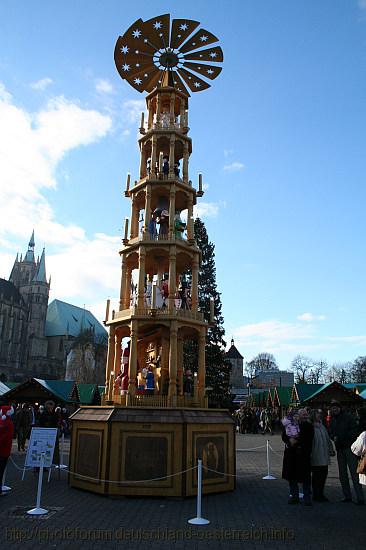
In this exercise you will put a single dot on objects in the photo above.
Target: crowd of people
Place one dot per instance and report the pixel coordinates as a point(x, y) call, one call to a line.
point(311, 439)
point(254, 420)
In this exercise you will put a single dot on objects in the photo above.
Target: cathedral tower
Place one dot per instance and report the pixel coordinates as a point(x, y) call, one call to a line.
point(29, 277)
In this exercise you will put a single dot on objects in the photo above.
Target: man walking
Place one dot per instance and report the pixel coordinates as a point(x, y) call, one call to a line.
point(343, 431)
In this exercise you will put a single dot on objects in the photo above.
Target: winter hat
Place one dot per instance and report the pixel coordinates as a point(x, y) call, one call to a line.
point(6, 411)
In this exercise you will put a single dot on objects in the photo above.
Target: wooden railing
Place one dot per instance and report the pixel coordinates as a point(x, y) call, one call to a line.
point(158, 312)
point(161, 401)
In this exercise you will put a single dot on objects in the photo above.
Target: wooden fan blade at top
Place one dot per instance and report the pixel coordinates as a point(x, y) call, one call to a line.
point(212, 54)
point(181, 29)
point(149, 51)
point(157, 31)
point(195, 83)
point(133, 40)
point(137, 68)
point(199, 40)
point(153, 80)
point(178, 83)
point(208, 71)
point(141, 81)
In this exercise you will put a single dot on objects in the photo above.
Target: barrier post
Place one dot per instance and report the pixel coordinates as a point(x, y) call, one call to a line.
point(62, 466)
point(38, 511)
point(199, 520)
point(4, 488)
point(269, 475)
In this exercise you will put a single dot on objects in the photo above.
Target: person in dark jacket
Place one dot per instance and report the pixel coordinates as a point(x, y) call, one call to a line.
point(297, 459)
point(23, 423)
point(50, 419)
point(6, 438)
point(343, 431)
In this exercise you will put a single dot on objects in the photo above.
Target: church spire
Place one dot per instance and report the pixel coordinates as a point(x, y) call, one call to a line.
point(40, 276)
point(32, 244)
point(29, 257)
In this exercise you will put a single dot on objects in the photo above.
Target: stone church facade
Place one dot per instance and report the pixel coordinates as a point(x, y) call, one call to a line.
point(35, 338)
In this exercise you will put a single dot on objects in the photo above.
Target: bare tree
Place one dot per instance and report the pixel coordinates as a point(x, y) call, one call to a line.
point(302, 365)
point(262, 361)
point(358, 370)
point(317, 372)
point(338, 372)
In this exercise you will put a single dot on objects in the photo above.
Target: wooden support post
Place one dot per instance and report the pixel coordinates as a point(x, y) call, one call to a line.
point(201, 363)
point(172, 286)
point(141, 281)
point(194, 289)
point(147, 208)
point(123, 283)
point(110, 362)
point(172, 390)
point(132, 371)
point(171, 210)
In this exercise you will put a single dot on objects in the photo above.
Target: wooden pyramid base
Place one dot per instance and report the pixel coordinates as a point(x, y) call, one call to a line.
point(118, 451)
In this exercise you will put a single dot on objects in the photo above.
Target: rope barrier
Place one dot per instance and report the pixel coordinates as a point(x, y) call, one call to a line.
point(251, 449)
point(26, 468)
point(108, 480)
point(129, 482)
point(66, 470)
point(276, 453)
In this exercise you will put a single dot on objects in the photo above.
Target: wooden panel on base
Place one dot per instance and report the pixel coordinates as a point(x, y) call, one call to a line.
point(128, 447)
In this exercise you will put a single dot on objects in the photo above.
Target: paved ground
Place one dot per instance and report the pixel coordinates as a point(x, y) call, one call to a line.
point(255, 516)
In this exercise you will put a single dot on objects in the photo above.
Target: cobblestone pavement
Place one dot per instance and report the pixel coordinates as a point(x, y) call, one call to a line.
point(254, 516)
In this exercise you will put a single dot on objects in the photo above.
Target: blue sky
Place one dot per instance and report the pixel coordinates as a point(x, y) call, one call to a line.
point(280, 139)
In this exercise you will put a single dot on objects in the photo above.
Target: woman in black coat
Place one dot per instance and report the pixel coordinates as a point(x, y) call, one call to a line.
point(297, 459)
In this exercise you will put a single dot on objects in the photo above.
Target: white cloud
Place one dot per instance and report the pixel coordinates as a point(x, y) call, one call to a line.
point(41, 84)
point(64, 125)
point(4, 95)
point(43, 139)
point(272, 332)
point(104, 86)
point(362, 4)
point(360, 340)
point(228, 152)
point(309, 317)
point(32, 145)
point(206, 210)
point(86, 268)
point(233, 167)
point(275, 336)
point(132, 109)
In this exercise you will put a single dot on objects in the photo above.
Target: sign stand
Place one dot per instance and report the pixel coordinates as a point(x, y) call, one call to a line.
point(38, 511)
point(199, 520)
point(269, 475)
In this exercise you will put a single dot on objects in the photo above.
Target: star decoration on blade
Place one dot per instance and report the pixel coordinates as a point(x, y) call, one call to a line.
point(169, 53)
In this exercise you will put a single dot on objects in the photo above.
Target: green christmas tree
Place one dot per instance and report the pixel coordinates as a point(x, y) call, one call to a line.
point(217, 367)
